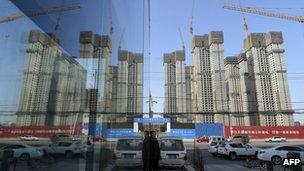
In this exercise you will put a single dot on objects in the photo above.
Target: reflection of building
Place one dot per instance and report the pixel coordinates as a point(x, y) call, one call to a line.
point(114, 85)
point(129, 82)
point(209, 73)
point(67, 92)
point(95, 52)
point(53, 85)
point(266, 63)
point(41, 54)
point(175, 87)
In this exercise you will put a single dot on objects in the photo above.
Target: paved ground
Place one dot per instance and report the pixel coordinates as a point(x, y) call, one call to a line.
point(220, 164)
point(78, 163)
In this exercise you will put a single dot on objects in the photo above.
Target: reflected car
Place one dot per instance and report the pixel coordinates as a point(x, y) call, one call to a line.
point(202, 139)
point(23, 151)
point(239, 138)
point(278, 153)
point(234, 150)
point(29, 138)
point(61, 137)
point(275, 139)
point(128, 152)
point(99, 139)
point(173, 152)
point(66, 148)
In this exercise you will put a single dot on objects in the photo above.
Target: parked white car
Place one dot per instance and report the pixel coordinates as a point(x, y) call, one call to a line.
point(67, 148)
point(173, 152)
point(213, 146)
point(278, 153)
point(128, 152)
point(29, 138)
point(275, 139)
point(23, 151)
point(234, 150)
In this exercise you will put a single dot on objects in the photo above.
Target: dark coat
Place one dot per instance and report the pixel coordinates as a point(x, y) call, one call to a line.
point(154, 150)
point(146, 149)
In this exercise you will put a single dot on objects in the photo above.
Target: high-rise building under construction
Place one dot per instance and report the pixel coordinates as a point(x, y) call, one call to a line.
point(95, 57)
point(175, 83)
point(41, 53)
point(53, 84)
point(129, 82)
point(209, 74)
point(266, 61)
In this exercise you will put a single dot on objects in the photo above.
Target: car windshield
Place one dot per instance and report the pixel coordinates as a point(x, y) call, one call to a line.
point(129, 144)
point(236, 145)
point(171, 145)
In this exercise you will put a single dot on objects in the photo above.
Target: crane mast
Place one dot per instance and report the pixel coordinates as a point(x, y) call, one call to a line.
point(121, 39)
point(34, 13)
point(111, 19)
point(192, 18)
point(264, 12)
point(182, 40)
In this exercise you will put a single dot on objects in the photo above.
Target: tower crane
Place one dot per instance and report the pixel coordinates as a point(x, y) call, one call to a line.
point(182, 40)
point(34, 13)
point(111, 18)
point(264, 12)
point(121, 39)
point(192, 18)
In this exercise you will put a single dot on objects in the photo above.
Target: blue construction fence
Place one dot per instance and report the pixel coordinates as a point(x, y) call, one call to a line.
point(201, 129)
point(101, 129)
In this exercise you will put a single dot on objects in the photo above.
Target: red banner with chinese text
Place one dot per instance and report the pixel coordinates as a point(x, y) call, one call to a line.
point(38, 131)
point(262, 132)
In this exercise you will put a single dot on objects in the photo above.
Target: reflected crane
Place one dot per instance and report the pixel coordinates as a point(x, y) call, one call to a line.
point(111, 19)
point(38, 12)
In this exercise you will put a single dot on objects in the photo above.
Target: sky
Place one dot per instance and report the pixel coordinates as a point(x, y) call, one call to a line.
point(166, 18)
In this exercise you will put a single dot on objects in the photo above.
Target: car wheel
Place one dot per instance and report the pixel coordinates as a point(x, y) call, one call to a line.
point(214, 154)
point(276, 160)
point(25, 157)
point(232, 155)
point(69, 154)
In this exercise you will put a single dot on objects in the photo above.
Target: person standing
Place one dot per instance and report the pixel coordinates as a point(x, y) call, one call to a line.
point(146, 151)
point(154, 152)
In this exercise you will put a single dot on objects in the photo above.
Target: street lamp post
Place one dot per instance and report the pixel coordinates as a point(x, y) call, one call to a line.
point(151, 101)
